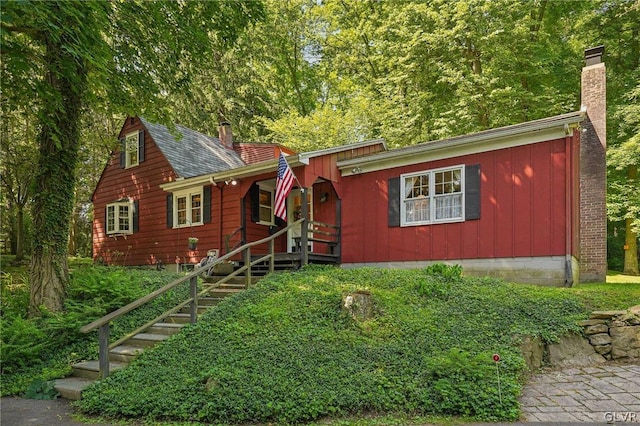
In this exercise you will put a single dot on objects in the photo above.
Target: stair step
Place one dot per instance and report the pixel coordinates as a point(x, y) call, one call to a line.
point(237, 280)
point(72, 387)
point(147, 340)
point(91, 369)
point(209, 301)
point(168, 328)
point(178, 319)
point(201, 309)
point(125, 353)
point(224, 292)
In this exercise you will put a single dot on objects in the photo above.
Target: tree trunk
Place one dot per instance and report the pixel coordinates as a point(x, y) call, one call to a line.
point(58, 141)
point(19, 234)
point(49, 278)
point(631, 238)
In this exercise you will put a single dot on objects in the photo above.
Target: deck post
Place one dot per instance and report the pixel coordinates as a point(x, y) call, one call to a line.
point(247, 264)
point(103, 356)
point(304, 228)
point(193, 284)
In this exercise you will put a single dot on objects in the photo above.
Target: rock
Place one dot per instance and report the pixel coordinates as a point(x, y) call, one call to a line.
point(635, 309)
point(532, 350)
point(603, 349)
point(605, 314)
point(629, 318)
point(586, 323)
point(573, 350)
point(596, 329)
point(600, 339)
point(625, 342)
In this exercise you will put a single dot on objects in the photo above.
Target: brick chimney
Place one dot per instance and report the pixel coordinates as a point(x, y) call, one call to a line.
point(225, 135)
point(593, 169)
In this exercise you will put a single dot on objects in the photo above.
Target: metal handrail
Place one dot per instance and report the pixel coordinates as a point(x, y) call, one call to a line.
point(103, 323)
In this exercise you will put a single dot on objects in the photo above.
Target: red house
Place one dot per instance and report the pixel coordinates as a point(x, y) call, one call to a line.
point(524, 202)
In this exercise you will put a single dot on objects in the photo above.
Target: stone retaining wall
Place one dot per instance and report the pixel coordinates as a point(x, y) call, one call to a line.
point(614, 334)
point(607, 335)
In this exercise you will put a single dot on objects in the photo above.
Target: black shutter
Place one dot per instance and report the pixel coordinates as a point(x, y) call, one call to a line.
point(140, 146)
point(254, 198)
point(136, 216)
point(206, 204)
point(123, 153)
point(472, 192)
point(394, 201)
point(170, 211)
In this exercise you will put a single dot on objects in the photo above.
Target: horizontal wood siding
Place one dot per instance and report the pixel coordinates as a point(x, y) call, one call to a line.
point(252, 153)
point(153, 241)
point(522, 204)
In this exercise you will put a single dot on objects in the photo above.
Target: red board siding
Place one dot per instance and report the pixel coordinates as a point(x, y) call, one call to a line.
point(522, 203)
point(154, 241)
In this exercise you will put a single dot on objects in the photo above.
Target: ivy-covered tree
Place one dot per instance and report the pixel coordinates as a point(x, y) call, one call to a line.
point(75, 55)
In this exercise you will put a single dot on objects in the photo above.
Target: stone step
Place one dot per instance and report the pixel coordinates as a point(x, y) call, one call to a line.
point(91, 369)
point(125, 353)
point(201, 309)
point(146, 340)
point(167, 328)
point(224, 292)
point(238, 280)
point(178, 319)
point(72, 387)
point(209, 301)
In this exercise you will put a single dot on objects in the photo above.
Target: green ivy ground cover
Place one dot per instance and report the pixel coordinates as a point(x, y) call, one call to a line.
point(285, 351)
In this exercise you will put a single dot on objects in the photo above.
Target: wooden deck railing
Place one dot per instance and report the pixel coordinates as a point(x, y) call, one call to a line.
point(103, 324)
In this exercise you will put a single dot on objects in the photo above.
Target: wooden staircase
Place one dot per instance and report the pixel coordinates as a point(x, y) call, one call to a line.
point(120, 353)
point(86, 372)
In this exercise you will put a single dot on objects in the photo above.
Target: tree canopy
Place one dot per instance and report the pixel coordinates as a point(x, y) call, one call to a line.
point(308, 74)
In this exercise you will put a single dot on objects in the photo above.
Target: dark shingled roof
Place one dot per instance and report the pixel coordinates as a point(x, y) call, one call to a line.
point(194, 154)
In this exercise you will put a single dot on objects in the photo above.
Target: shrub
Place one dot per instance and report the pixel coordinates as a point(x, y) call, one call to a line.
point(43, 348)
point(23, 341)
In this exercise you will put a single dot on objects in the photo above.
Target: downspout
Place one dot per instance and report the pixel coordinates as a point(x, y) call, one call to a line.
point(220, 188)
point(568, 203)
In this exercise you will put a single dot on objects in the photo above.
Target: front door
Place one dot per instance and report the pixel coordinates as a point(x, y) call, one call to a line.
point(294, 212)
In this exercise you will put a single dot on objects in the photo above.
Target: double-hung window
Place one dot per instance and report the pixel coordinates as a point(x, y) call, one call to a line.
point(265, 201)
point(120, 217)
point(188, 208)
point(432, 196)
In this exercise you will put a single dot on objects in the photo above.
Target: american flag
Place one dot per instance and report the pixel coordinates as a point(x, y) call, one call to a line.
point(284, 183)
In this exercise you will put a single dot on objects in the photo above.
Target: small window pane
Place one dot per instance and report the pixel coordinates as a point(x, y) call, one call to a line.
point(196, 210)
point(111, 219)
point(182, 210)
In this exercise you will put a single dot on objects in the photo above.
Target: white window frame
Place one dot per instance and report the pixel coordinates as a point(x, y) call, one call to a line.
point(118, 219)
point(188, 195)
point(270, 188)
point(131, 146)
point(432, 197)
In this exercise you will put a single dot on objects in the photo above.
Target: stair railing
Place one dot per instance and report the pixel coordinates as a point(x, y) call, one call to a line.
point(103, 324)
